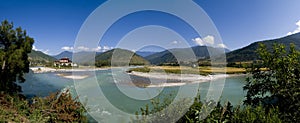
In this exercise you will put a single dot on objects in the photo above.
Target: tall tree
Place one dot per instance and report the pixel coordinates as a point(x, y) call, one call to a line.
point(15, 44)
point(275, 81)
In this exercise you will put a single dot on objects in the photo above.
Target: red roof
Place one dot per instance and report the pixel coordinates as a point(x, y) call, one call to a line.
point(64, 59)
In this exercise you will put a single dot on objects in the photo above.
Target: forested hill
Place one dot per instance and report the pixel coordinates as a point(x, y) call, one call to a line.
point(248, 53)
point(38, 58)
point(167, 56)
point(120, 56)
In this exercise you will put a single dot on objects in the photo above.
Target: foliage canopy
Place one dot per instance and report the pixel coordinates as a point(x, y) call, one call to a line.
point(275, 81)
point(15, 45)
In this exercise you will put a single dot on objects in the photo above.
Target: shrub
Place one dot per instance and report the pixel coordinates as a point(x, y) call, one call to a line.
point(54, 108)
point(275, 81)
point(219, 114)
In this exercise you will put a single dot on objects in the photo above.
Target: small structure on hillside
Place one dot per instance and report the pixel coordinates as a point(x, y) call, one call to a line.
point(64, 62)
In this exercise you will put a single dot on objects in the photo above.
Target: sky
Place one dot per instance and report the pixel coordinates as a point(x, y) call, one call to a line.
point(54, 24)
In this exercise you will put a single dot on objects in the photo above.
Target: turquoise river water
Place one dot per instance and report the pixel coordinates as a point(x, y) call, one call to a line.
point(109, 102)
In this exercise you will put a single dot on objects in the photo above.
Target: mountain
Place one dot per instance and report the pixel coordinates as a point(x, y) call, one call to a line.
point(82, 58)
point(184, 54)
point(39, 58)
point(227, 50)
point(145, 53)
point(120, 57)
point(64, 54)
point(248, 53)
point(85, 58)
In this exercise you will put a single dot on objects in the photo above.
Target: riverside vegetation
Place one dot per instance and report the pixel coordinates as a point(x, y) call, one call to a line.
point(15, 45)
point(195, 114)
point(54, 108)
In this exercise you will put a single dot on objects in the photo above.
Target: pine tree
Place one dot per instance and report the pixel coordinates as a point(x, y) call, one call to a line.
point(15, 45)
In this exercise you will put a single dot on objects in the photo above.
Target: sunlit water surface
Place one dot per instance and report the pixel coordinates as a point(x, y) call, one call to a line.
point(104, 103)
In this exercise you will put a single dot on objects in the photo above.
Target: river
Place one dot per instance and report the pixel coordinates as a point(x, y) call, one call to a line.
point(108, 101)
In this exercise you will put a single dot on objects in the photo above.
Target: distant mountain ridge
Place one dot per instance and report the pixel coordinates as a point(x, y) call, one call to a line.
point(86, 57)
point(248, 53)
point(145, 53)
point(144, 56)
point(69, 54)
point(120, 57)
point(184, 54)
point(64, 54)
point(82, 58)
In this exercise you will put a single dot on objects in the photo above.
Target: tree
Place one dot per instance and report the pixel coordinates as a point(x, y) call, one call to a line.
point(15, 45)
point(275, 81)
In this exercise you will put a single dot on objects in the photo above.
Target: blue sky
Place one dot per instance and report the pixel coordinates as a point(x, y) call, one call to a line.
point(54, 24)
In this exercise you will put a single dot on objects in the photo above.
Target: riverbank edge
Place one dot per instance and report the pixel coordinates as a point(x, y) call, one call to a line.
point(51, 70)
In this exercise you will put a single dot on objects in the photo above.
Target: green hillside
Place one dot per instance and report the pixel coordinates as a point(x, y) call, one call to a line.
point(184, 54)
point(248, 53)
point(82, 58)
point(40, 58)
point(120, 57)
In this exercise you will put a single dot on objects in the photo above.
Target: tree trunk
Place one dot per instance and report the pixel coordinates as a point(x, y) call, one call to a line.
point(3, 65)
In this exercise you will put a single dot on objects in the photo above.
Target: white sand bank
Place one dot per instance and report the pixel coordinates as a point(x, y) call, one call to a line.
point(47, 69)
point(73, 76)
point(166, 85)
point(183, 79)
point(42, 69)
point(180, 77)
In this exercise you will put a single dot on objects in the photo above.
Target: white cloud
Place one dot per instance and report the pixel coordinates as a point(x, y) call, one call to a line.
point(208, 40)
point(175, 42)
point(42, 50)
point(67, 48)
point(198, 41)
point(34, 48)
point(221, 46)
point(106, 47)
point(96, 49)
point(297, 30)
point(83, 48)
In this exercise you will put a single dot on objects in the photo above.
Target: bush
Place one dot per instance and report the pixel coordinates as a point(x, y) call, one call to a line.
point(275, 81)
point(54, 108)
point(219, 114)
point(158, 112)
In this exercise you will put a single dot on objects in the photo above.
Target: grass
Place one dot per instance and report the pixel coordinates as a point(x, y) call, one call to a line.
point(228, 70)
point(189, 70)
